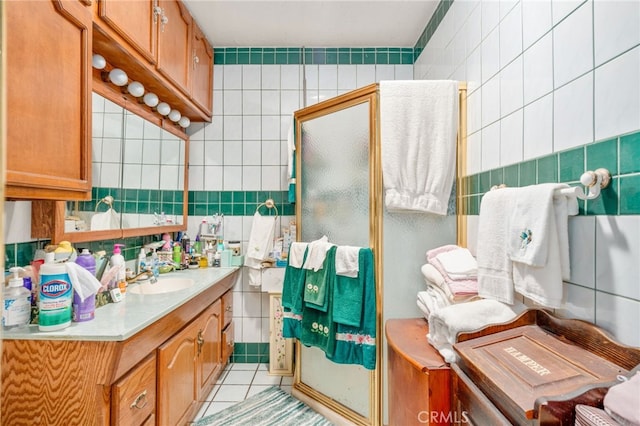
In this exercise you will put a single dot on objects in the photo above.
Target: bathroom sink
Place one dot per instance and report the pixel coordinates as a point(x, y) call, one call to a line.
point(163, 285)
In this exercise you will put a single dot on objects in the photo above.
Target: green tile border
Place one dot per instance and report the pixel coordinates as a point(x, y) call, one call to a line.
point(313, 55)
point(620, 155)
point(251, 353)
point(333, 55)
point(237, 203)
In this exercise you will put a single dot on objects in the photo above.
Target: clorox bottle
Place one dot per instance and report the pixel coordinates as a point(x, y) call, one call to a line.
point(56, 295)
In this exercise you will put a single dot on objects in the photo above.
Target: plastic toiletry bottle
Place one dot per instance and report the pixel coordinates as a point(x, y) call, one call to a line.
point(177, 253)
point(84, 310)
point(118, 260)
point(87, 261)
point(186, 249)
point(56, 294)
point(16, 306)
point(142, 261)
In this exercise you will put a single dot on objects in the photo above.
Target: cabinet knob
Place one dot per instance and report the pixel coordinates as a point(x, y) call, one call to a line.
point(140, 401)
point(157, 10)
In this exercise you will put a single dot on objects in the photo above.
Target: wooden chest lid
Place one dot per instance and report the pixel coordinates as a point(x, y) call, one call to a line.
point(514, 366)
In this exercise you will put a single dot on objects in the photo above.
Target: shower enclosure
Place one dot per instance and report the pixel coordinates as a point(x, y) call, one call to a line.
point(339, 194)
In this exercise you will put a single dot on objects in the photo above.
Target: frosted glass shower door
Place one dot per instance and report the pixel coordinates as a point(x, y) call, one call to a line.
point(334, 201)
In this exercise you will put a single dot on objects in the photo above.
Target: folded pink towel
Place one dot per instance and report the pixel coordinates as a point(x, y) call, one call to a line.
point(433, 272)
point(431, 254)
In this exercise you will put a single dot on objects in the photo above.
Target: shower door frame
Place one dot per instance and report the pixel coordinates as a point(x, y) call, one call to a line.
point(356, 97)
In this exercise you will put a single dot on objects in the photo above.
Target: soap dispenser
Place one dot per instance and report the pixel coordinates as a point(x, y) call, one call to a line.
point(118, 260)
point(16, 307)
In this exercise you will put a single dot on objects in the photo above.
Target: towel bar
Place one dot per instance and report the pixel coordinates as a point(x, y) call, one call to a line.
point(593, 180)
point(270, 204)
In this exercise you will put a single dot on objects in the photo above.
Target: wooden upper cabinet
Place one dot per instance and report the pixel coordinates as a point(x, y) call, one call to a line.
point(48, 99)
point(174, 43)
point(134, 21)
point(157, 42)
point(202, 71)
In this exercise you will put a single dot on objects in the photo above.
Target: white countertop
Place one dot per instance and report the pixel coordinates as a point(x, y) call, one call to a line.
point(119, 321)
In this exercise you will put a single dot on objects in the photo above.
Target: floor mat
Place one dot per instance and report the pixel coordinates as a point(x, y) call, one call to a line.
point(271, 407)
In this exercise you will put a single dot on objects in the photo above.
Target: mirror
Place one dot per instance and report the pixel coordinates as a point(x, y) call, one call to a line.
point(139, 165)
point(138, 177)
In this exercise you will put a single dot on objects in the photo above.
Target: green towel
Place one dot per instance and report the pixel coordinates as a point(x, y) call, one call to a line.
point(318, 328)
point(348, 292)
point(316, 294)
point(292, 287)
point(357, 345)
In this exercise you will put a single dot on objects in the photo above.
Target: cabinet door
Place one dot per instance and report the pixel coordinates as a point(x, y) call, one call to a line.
point(202, 71)
point(174, 43)
point(48, 95)
point(227, 343)
point(134, 21)
point(209, 348)
point(177, 382)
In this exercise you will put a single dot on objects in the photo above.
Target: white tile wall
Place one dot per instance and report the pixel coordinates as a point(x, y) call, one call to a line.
point(580, 83)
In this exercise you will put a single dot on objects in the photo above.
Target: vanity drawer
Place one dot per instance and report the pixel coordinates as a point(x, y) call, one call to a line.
point(134, 396)
point(227, 343)
point(227, 308)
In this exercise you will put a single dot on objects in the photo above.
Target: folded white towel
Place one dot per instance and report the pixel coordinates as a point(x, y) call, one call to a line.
point(434, 298)
point(446, 323)
point(418, 127)
point(316, 253)
point(495, 269)
point(296, 254)
point(430, 273)
point(459, 263)
point(535, 278)
point(347, 261)
point(532, 220)
point(423, 308)
point(260, 245)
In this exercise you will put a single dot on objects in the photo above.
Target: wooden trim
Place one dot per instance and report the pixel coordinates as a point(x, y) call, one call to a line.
point(461, 188)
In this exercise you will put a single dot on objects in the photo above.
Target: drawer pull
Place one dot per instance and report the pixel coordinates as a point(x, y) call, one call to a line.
point(228, 309)
point(140, 401)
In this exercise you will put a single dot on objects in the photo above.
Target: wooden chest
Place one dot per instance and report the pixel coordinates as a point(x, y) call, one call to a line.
point(520, 366)
point(419, 380)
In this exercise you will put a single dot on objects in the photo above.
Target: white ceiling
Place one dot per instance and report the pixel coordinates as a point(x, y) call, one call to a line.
point(312, 23)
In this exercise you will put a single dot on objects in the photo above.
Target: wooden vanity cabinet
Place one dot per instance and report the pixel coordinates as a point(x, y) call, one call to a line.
point(159, 376)
point(48, 99)
point(209, 348)
point(188, 365)
point(227, 326)
point(177, 388)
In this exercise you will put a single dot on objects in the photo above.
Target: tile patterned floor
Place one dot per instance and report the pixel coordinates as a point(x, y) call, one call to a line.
point(238, 382)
